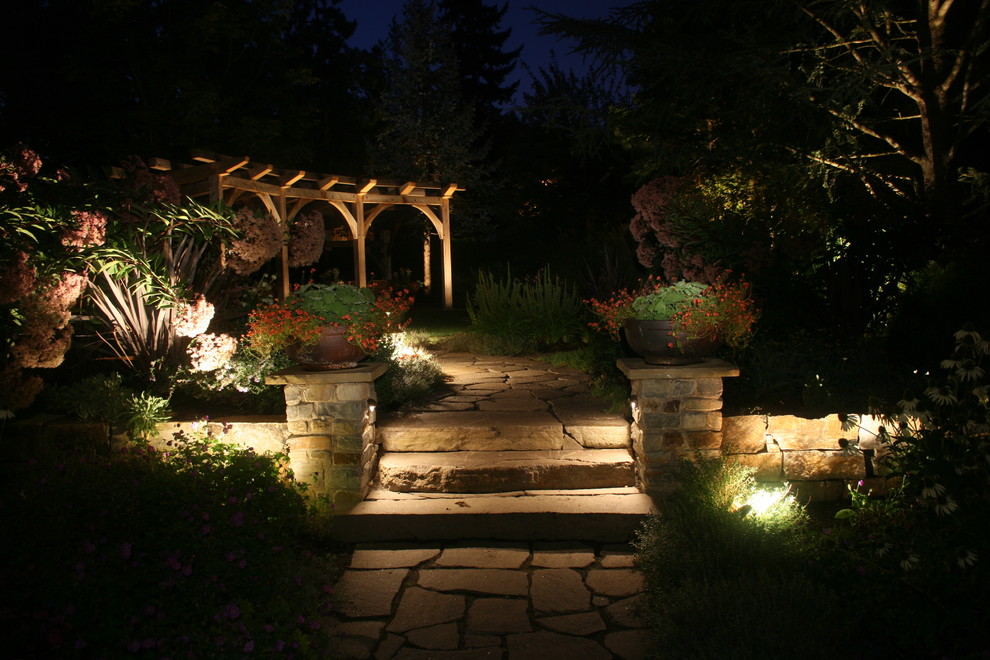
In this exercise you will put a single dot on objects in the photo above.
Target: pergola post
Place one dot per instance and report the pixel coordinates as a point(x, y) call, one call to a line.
point(360, 263)
point(448, 278)
point(283, 274)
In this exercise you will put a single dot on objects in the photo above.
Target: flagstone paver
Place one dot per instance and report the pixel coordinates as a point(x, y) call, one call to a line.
point(559, 590)
point(544, 644)
point(369, 593)
point(582, 624)
point(499, 616)
point(421, 608)
point(615, 581)
point(487, 557)
point(476, 580)
point(489, 599)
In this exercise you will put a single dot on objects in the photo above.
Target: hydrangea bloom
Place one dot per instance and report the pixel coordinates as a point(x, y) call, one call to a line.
point(261, 239)
point(307, 238)
point(90, 229)
point(156, 188)
point(193, 319)
point(209, 352)
point(18, 279)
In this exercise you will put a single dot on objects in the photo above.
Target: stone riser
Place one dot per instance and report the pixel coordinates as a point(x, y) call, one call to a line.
point(474, 431)
point(561, 516)
point(490, 472)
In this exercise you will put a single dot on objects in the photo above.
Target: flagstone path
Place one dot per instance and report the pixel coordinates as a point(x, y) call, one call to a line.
point(498, 583)
point(468, 600)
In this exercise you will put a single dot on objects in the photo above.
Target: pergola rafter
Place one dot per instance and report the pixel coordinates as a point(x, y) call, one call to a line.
point(285, 193)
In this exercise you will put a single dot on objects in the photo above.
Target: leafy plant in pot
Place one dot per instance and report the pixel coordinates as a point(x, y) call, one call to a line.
point(328, 326)
point(678, 323)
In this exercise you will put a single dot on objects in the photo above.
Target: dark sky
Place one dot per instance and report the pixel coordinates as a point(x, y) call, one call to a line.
point(374, 16)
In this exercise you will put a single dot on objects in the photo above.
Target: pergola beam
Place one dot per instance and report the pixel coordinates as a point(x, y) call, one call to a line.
point(290, 190)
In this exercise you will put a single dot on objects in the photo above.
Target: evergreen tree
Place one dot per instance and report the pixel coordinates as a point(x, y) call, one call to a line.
point(103, 79)
point(483, 62)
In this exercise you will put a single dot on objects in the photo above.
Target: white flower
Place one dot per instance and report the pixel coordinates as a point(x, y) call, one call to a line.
point(193, 319)
point(963, 335)
point(969, 370)
point(966, 557)
point(945, 505)
point(932, 490)
point(942, 395)
point(210, 352)
point(910, 562)
point(908, 406)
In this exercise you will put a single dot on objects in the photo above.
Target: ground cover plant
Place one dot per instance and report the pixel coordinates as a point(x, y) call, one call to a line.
point(203, 549)
point(891, 575)
point(725, 580)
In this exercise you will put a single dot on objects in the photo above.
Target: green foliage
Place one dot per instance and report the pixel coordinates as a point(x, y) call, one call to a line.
point(105, 398)
point(99, 398)
point(143, 412)
point(335, 302)
point(662, 302)
point(523, 316)
point(726, 583)
point(412, 373)
point(238, 384)
point(198, 549)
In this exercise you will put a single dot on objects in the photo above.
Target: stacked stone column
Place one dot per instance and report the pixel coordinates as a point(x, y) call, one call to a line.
point(677, 414)
point(331, 422)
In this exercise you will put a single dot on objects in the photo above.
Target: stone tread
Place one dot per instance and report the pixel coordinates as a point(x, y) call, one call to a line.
point(533, 516)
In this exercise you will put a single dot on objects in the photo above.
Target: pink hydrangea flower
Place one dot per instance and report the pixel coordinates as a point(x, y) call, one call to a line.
point(209, 352)
point(307, 239)
point(261, 239)
point(193, 319)
point(90, 229)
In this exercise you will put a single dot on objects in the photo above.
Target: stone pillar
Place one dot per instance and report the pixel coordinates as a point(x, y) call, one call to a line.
point(331, 423)
point(677, 414)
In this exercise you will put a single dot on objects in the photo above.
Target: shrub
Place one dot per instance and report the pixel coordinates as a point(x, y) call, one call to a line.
point(105, 398)
point(523, 316)
point(926, 541)
point(238, 384)
point(196, 551)
point(413, 374)
point(724, 581)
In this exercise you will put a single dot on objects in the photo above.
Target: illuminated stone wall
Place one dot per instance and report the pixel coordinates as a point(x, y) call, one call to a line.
point(330, 418)
point(677, 415)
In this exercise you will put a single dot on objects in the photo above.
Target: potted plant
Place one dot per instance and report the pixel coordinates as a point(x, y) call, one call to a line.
point(678, 323)
point(328, 326)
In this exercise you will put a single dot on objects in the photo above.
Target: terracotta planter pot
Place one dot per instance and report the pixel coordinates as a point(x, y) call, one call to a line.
point(330, 352)
point(657, 343)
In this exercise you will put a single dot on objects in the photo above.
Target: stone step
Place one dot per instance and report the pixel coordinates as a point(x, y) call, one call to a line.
point(601, 515)
point(499, 471)
point(473, 431)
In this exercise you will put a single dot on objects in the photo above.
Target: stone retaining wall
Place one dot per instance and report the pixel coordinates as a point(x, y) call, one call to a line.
point(677, 414)
point(330, 418)
point(819, 457)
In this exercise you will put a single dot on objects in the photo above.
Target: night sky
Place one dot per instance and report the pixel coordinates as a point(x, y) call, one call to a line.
point(374, 16)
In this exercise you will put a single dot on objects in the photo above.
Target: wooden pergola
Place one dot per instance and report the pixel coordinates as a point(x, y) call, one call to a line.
point(285, 193)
